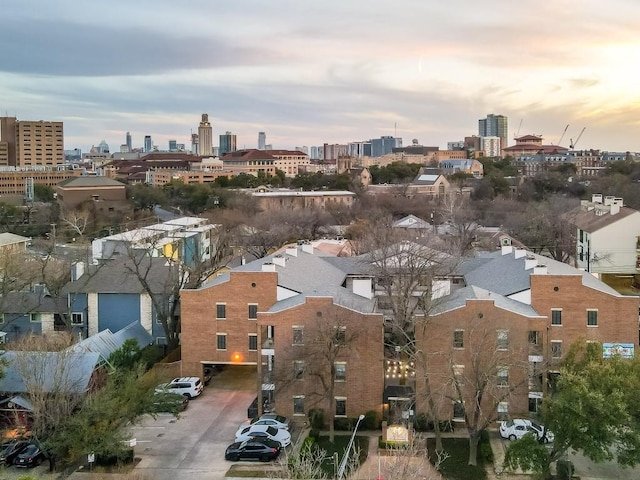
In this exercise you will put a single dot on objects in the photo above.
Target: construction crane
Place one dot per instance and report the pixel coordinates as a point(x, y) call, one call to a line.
point(519, 127)
point(573, 144)
point(563, 133)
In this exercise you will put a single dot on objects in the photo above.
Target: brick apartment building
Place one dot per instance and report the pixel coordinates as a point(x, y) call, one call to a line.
point(516, 311)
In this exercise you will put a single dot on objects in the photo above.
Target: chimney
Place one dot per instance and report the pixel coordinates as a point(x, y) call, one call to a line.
point(520, 252)
point(77, 270)
point(506, 249)
point(268, 267)
point(307, 248)
point(540, 270)
point(530, 262)
point(279, 260)
point(293, 251)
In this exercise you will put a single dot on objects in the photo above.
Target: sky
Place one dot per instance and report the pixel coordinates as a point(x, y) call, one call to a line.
point(330, 71)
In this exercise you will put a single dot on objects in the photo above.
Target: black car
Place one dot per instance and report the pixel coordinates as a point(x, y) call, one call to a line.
point(261, 449)
point(32, 456)
point(10, 450)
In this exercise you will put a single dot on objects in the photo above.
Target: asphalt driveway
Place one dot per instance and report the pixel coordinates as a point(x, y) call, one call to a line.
point(193, 445)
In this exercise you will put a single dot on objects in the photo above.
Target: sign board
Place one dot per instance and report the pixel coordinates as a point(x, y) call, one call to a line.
point(398, 434)
point(624, 350)
point(91, 458)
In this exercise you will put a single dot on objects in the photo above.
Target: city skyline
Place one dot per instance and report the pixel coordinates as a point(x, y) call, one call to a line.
point(334, 72)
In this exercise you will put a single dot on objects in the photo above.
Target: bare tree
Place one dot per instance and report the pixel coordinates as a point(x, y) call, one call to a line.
point(487, 371)
point(411, 279)
point(78, 219)
point(461, 225)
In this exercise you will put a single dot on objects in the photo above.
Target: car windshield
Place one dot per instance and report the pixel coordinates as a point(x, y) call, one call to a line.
point(30, 450)
point(280, 419)
point(509, 423)
point(272, 431)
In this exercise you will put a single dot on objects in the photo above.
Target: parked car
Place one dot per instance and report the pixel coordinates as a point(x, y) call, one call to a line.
point(264, 431)
point(518, 428)
point(169, 402)
point(11, 449)
point(271, 419)
point(261, 449)
point(32, 456)
point(188, 386)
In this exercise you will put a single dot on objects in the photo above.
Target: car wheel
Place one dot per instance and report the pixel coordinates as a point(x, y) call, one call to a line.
point(233, 458)
point(512, 437)
point(187, 396)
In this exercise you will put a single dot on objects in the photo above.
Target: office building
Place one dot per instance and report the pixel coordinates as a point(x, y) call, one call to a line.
point(494, 126)
point(173, 145)
point(227, 143)
point(384, 145)
point(148, 144)
point(128, 142)
point(194, 144)
point(26, 143)
point(262, 141)
point(491, 146)
point(205, 137)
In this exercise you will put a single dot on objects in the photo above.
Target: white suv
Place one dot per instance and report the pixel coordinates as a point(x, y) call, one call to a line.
point(518, 428)
point(190, 387)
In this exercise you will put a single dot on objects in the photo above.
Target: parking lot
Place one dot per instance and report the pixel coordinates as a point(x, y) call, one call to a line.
point(193, 445)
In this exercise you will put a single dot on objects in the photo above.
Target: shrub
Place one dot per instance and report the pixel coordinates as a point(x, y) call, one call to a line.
point(421, 423)
point(316, 418)
point(309, 442)
point(343, 423)
point(314, 433)
point(370, 421)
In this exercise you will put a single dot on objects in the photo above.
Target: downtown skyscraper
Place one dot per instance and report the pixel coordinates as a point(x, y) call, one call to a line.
point(495, 126)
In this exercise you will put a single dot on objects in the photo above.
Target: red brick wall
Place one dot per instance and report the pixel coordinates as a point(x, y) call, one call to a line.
point(364, 357)
point(480, 320)
point(200, 326)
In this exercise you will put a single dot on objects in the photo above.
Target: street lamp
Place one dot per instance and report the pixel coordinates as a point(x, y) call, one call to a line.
point(345, 459)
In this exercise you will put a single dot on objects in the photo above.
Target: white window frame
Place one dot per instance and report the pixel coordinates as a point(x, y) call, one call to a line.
point(81, 318)
point(559, 310)
point(35, 318)
point(344, 377)
point(224, 305)
point(502, 344)
point(253, 335)
point(218, 336)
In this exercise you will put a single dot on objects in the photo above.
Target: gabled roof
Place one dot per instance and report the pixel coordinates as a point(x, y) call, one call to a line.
point(411, 221)
point(590, 222)
point(461, 297)
point(119, 276)
point(7, 238)
point(106, 342)
point(67, 372)
point(30, 302)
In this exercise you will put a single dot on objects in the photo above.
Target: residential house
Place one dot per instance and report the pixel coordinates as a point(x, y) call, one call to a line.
point(11, 244)
point(608, 236)
point(118, 292)
point(34, 311)
point(470, 166)
point(429, 183)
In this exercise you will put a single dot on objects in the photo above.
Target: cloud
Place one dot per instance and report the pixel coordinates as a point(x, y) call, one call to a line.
point(58, 48)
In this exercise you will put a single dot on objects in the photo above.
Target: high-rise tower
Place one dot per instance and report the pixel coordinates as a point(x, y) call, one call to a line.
point(495, 126)
point(128, 142)
point(148, 144)
point(262, 141)
point(205, 137)
point(227, 143)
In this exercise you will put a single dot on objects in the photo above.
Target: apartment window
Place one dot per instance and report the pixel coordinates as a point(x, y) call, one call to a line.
point(298, 405)
point(458, 410)
point(458, 339)
point(503, 377)
point(341, 406)
point(76, 318)
point(503, 411)
point(592, 318)
point(340, 335)
point(534, 337)
point(253, 311)
point(556, 316)
point(298, 335)
point(34, 317)
point(298, 369)
point(341, 371)
point(222, 341)
point(1, 317)
point(221, 310)
point(503, 340)
point(556, 348)
point(253, 342)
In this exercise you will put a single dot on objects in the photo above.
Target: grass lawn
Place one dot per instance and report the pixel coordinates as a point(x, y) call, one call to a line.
point(360, 444)
point(455, 467)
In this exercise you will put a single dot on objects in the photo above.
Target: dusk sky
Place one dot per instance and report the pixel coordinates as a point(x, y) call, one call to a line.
point(330, 71)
